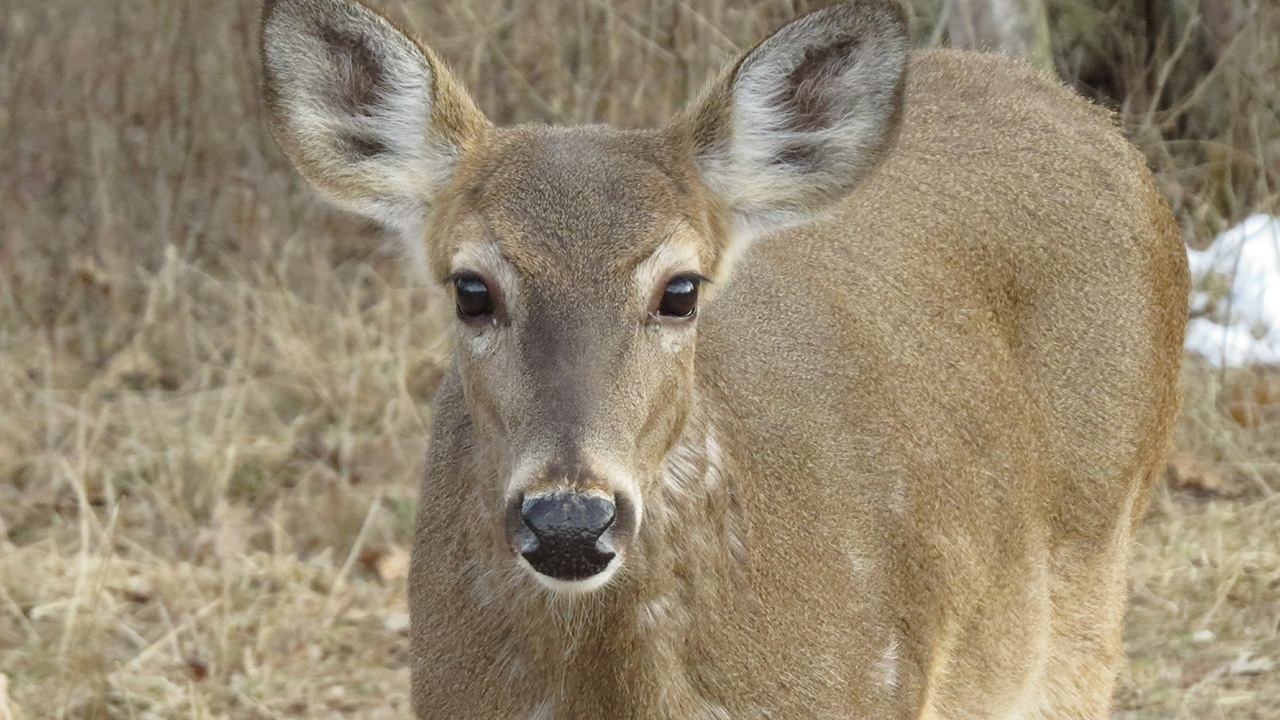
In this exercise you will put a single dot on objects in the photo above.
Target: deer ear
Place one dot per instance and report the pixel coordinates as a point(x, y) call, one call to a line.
point(792, 127)
point(368, 116)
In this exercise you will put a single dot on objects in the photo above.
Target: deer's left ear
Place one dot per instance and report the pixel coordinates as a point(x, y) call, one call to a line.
point(368, 116)
point(800, 120)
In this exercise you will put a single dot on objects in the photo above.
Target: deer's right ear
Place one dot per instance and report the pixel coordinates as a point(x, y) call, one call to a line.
point(370, 118)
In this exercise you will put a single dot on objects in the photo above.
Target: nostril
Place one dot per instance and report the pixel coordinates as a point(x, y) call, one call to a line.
point(568, 515)
point(562, 533)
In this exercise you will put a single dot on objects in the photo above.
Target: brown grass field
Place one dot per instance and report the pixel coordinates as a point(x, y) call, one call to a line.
point(214, 390)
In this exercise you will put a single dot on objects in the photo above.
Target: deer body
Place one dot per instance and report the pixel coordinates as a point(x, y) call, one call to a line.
point(895, 472)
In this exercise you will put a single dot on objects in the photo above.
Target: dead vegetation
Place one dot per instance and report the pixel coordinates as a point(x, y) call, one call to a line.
point(214, 391)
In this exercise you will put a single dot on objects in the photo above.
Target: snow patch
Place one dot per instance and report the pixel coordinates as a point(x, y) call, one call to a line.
point(1235, 297)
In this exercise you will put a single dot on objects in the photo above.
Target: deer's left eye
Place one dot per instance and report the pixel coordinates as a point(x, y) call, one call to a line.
point(472, 297)
point(680, 298)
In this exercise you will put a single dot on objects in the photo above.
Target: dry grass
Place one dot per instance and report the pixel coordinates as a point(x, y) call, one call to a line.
point(213, 391)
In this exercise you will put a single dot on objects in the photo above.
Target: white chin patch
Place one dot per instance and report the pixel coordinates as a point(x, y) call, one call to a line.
point(573, 587)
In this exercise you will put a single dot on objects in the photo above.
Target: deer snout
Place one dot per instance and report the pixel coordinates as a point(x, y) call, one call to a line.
point(569, 536)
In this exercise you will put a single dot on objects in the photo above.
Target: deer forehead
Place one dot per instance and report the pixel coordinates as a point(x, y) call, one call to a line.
point(568, 205)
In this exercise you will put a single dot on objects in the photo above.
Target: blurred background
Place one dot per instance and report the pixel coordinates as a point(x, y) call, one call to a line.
point(214, 389)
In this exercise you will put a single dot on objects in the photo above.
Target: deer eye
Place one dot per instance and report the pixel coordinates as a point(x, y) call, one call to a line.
point(680, 298)
point(472, 297)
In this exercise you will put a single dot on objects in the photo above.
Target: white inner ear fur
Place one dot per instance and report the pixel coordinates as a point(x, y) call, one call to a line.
point(393, 185)
point(766, 194)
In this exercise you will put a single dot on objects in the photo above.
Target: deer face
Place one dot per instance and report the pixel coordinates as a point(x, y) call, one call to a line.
point(576, 259)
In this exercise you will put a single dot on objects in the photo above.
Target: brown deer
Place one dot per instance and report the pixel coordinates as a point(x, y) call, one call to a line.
point(837, 397)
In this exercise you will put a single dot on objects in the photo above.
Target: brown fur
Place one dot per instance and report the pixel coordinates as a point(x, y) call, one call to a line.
point(896, 475)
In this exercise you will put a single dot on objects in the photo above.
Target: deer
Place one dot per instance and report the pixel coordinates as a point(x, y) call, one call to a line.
point(838, 396)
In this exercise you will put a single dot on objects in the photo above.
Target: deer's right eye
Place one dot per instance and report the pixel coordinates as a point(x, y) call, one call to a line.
point(679, 299)
point(472, 297)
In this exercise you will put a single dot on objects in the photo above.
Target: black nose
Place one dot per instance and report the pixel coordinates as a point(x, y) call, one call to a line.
point(566, 529)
